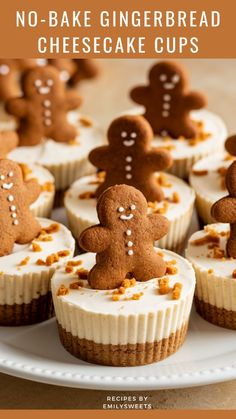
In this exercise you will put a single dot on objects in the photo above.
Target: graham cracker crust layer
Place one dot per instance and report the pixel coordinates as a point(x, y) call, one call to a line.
point(218, 316)
point(38, 310)
point(122, 355)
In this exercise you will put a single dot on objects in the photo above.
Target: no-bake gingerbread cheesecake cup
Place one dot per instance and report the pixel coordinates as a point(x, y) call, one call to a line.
point(178, 121)
point(50, 132)
point(133, 161)
point(30, 251)
point(131, 304)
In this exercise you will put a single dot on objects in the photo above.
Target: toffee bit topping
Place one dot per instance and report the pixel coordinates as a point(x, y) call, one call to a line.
point(201, 136)
point(199, 172)
point(47, 187)
point(210, 271)
point(26, 171)
point(36, 247)
point(53, 258)
point(177, 289)
point(163, 209)
point(74, 262)
point(44, 238)
point(69, 269)
point(175, 199)
point(209, 238)
point(24, 261)
point(164, 285)
point(228, 157)
point(168, 147)
point(234, 274)
point(137, 296)
point(115, 297)
point(40, 262)
point(218, 253)
point(160, 253)
point(63, 253)
point(82, 273)
point(76, 285)
point(52, 228)
point(127, 283)
point(85, 121)
point(62, 290)
point(74, 141)
point(87, 195)
point(162, 180)
point(170, 268)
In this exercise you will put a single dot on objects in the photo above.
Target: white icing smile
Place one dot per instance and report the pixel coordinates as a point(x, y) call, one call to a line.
point(7, 186)
point(128, 143)
point(124, 217)
point(169, 86)
point(44, 90)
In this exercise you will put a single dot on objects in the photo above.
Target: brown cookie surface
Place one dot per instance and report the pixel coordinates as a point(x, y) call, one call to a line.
point(9, 86)
point(130, 159)
point(42, 110)
point(84, 69)
point(17, 225)
point(168, 101)
point(124, 239)
point(8, 141)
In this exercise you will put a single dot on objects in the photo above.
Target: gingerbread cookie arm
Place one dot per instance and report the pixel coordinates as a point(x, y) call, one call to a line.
point(159, 159)
point(17, 107)
point(95, 239)
point(140, 94)
point(100, 157)
point(8, 141)
point(33, 190)
point(195, 100)
point(73, 100)
point(158, 226)
point(224, 210)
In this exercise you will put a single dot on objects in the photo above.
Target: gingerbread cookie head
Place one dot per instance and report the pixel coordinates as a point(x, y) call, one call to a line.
point(168, 101)
point(41, 82)
point(8, 141)
point(130, 159)
point(130, 132)
point(124, 239)
point(230, 145)
point(168, 76)
point(17, 224)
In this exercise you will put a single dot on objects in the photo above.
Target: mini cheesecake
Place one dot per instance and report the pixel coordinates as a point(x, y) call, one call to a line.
point(137, 324)
point(207, 178)
point(25, 274)
point(185, 152)
point(215, 296)
point(80, 204)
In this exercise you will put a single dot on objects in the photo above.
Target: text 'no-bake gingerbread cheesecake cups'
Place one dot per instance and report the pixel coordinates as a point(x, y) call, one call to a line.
point(50, 132)
point(130, 159)
point(176, 116)
point(131, 304)
point(30, 250)
point(212, 253)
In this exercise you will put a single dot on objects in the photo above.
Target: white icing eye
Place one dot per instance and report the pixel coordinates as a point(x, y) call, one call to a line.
point(10, 174)
point(64, 75)
point(10, 198)
point(121, 209)
point(50, 82)
point(4, 69)
point(38, 83)
point(2, 177)
point(133, 134)
point(175, 78)
point(133, 207)
point(163, 77)
point(123, 134)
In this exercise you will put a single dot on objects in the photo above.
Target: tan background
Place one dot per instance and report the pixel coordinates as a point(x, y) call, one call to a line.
point(105, 98)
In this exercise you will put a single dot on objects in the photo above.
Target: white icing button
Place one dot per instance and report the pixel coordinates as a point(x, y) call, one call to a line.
point(124, 134)
point(130, 244)
point(47, 103)
point(128, 176)
point(13, 215)
point(121, 209)
point(130, 252)
point(10, 198)
point(128, 232)
point(128, 159)
point(47, 112)
point(165, 114)
point(167, 98)
point(12, 208)
point(128, 168)
point(15, 222)
point(166, 106)
point(47, 122)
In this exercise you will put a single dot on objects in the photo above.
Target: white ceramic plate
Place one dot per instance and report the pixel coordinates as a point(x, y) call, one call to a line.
point(35, 353)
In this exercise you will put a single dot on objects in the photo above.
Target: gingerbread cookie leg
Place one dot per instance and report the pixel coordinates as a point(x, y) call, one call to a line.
point(153, 266)
point(27, 233)
point(64, 132)
point(28, 136)
point(7, 243)
point(99, 274)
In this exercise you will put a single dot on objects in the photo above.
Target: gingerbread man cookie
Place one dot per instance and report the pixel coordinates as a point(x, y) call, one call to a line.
point(124, 239)
point(84, 69)
point(9, 86)
point(42, 110)
point(129, 157)
point(224, 210)
point(17, 224)
point(8, 141)
point(168, 101)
